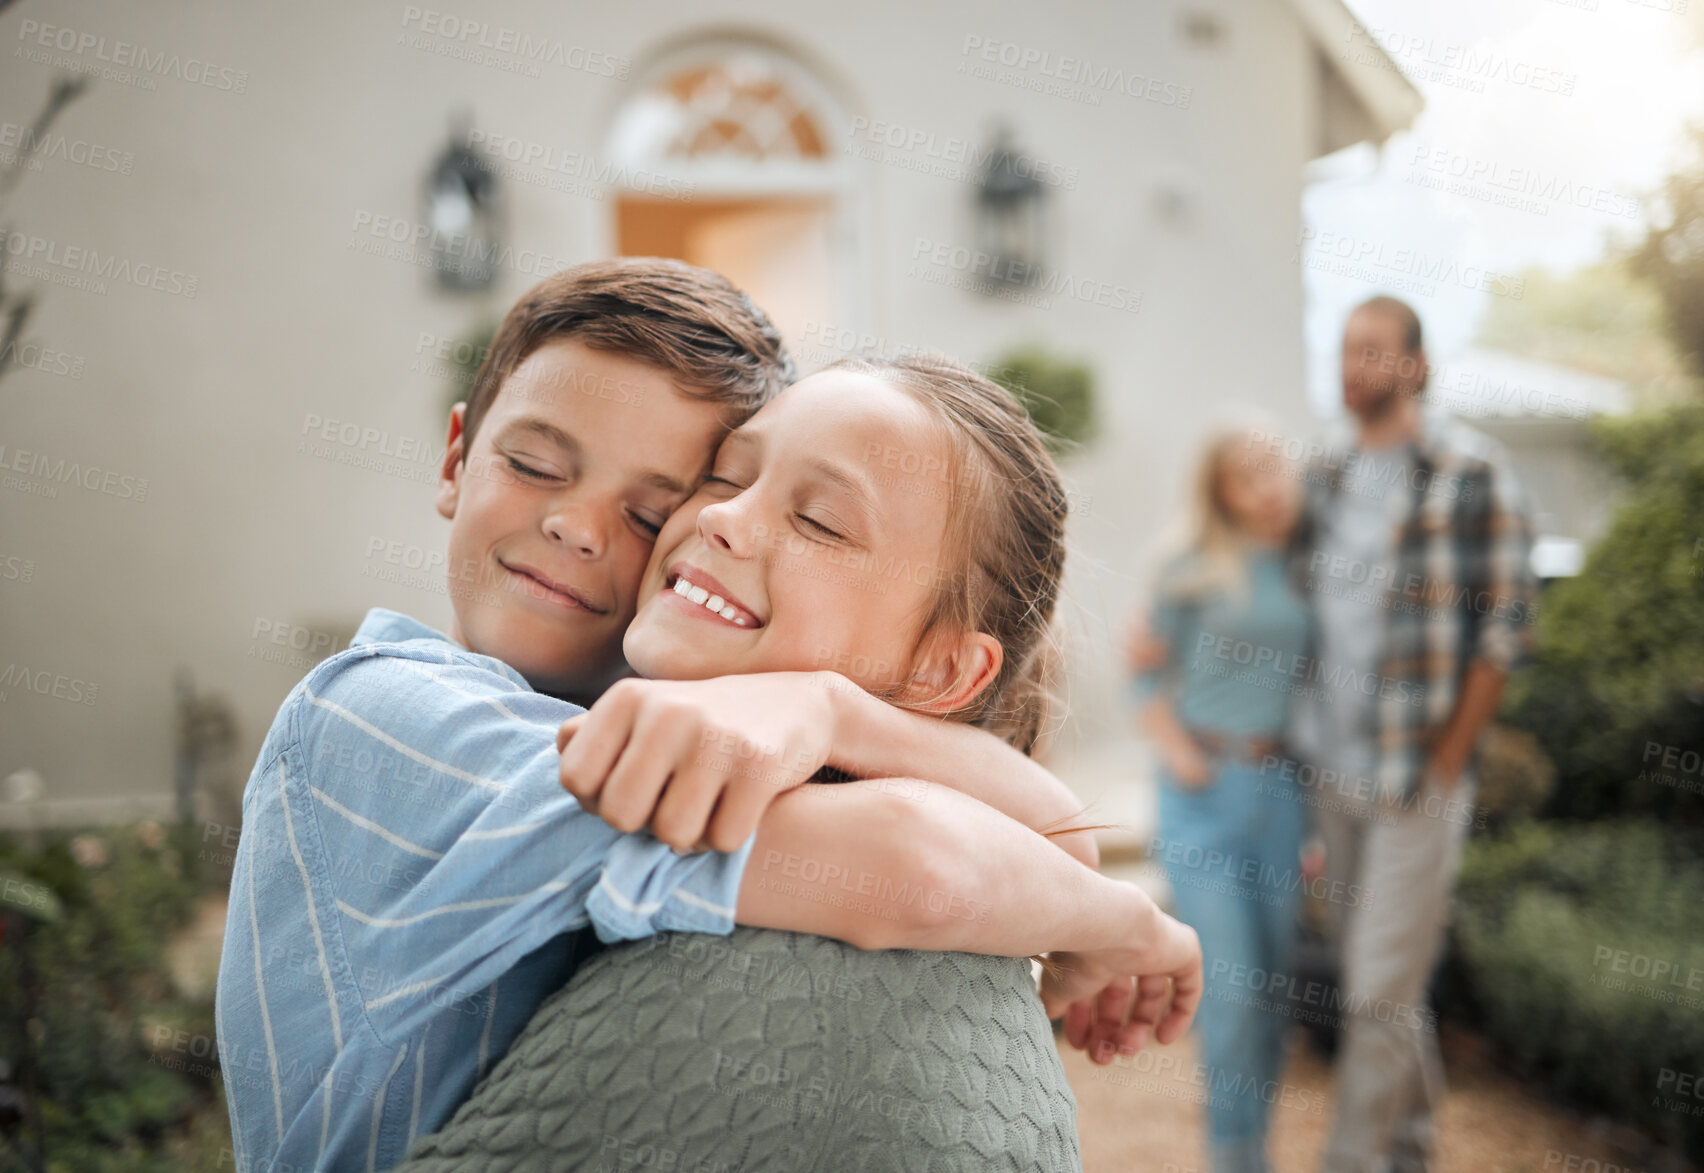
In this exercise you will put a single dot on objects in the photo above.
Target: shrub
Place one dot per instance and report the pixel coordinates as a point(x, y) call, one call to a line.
point(1059, 395)
point(1561, 928)
point(1618, 687)
point(93, 977)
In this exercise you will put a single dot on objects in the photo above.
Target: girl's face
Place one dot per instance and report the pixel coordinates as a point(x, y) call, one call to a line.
point(815, 544)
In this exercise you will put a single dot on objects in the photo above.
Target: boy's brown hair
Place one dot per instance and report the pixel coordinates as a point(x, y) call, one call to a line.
point(689, 322)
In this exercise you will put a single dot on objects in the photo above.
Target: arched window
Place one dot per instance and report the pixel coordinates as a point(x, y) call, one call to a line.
point(730, 155)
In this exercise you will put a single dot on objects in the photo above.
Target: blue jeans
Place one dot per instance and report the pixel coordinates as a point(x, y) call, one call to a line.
point(1230, 851)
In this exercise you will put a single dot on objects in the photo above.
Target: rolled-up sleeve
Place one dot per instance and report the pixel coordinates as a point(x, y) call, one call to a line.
point(648, 888)
point(1505, 637)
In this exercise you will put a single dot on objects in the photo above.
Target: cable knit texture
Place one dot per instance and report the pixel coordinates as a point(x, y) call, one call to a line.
point(767, 1050)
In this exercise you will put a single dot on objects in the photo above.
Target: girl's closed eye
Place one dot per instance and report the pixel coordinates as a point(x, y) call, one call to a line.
point(818, 528)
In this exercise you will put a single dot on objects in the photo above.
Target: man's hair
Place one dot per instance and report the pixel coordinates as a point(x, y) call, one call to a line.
point(690, 323)
point(1404, 315)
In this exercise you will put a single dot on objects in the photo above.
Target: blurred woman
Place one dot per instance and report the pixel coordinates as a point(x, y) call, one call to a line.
point(1212, 668)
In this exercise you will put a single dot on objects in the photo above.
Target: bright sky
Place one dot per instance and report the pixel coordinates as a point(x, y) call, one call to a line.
point(1637, 71)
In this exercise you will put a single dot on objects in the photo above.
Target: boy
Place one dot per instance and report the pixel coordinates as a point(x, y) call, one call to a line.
point(412, 876)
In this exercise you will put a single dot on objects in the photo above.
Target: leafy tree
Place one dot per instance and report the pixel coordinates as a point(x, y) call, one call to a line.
point(1604, 318)
point(1672, 256)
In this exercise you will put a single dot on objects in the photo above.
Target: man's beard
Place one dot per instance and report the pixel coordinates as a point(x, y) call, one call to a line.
point(1382, 400)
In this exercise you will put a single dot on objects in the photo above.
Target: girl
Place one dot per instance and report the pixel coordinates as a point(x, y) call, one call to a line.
point(1213, 673)
point(902, 523)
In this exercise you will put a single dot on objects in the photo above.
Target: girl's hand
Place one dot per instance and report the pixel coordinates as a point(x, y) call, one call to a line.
point(697, 761)
point(1116, 1000)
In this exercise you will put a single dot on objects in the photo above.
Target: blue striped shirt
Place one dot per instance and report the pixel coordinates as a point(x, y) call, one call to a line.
point(407, 890)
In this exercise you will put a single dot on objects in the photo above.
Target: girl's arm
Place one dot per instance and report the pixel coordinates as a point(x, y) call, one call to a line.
point(873, 739)
point(929, 868)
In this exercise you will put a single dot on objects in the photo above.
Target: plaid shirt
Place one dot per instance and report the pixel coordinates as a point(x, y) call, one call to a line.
point(1462, 587)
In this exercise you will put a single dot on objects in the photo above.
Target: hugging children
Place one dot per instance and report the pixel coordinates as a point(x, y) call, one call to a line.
point(419, 853)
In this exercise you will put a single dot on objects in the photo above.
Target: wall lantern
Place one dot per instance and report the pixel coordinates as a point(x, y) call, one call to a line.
point(461, 210)
point(1009, 221)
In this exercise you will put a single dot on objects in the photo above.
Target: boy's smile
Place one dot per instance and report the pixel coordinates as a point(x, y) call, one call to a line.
point(578, 462)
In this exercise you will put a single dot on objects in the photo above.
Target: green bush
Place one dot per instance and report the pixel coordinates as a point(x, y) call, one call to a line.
point(1059, 395)
point(1552, 922)
point(98, 980)
point(1618, 686)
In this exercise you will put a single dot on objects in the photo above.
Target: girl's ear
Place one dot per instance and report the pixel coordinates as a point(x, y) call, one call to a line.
point(449, 476)
point(953, 673)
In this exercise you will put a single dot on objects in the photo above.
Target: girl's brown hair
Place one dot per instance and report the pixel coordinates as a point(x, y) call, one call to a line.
point(1005, 541)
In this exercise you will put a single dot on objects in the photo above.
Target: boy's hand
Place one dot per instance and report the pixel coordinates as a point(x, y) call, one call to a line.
point(698, 761)
point(1116, 1000)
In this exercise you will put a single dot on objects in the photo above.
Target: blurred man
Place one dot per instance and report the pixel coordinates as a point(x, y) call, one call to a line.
point(1417, 547)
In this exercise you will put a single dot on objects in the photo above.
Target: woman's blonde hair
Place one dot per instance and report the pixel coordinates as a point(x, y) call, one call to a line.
point(1202, 553)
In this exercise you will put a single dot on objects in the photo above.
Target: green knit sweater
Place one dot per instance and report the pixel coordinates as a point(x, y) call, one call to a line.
point(766, 1050)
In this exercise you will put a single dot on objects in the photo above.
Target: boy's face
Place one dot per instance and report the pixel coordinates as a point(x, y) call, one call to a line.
point(580, 459)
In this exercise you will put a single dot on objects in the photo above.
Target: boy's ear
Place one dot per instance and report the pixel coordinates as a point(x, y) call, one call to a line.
point(450, 475)
point(952, 673)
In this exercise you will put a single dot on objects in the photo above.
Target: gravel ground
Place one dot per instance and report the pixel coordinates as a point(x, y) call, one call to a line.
point(1143, 1115)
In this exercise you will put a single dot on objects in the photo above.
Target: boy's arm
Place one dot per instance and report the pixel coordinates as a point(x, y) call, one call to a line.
point(932, 869)
point(873, 739)
point(700, 760)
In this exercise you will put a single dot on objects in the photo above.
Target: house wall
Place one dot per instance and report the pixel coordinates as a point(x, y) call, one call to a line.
point(250, 524)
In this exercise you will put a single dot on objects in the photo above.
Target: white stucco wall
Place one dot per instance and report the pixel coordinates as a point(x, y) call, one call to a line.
point(255, 196)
